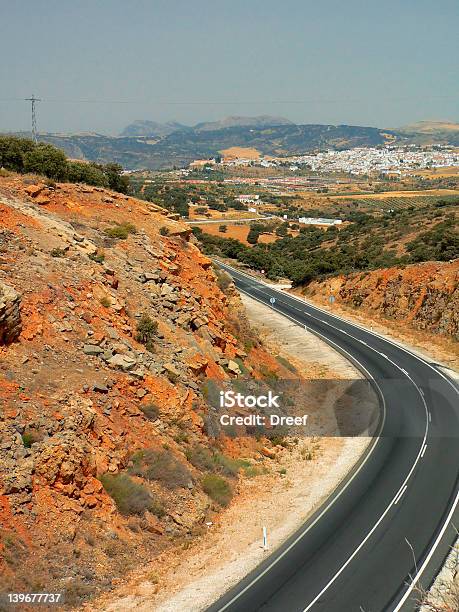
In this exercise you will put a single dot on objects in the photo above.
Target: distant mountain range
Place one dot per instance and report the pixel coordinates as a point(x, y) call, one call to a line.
point(152, 129)
point(151, 145)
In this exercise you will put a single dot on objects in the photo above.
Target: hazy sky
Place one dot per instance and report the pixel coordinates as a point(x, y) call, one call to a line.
point(365, 62)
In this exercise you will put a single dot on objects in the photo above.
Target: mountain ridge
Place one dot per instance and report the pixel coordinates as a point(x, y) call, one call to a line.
point(181, 146)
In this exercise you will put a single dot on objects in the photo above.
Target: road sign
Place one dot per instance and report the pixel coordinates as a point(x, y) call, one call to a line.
point(331, 299)
point(272, 300)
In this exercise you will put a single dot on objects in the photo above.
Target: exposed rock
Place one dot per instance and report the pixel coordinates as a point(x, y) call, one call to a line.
point(34, 190)
point(10, 314)
point(92, 349)
point(98, 388)
point(424, 296)
point(42, 200)
point(124, 362)
point(233, 367)
point(171, 370)
point(146, 277)
point(268, 452)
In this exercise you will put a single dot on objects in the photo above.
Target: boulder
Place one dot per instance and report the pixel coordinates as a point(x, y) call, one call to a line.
point(92, 349)
point(123, 362)
point(34, 190)
point(233, 367)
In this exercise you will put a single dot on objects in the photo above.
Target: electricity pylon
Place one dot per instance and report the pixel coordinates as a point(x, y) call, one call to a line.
point(33, 99)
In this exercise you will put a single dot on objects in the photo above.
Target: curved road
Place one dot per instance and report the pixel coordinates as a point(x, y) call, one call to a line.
point(388, 528)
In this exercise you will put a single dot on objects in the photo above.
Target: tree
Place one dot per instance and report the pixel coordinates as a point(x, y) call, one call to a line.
point(12, 151)
point(46, 159)
point(282, 230)
point(115, 179)
point(80, 172)
point(253, 235)
point(223, 228)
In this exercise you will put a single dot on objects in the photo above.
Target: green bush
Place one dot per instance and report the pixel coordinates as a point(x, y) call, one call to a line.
point(147, 329)
point(24, 155)
point(217, 488)
point(129, 496)
point(286, 363)
point(160, 465)
point(164, 231)
point(150, 410)
point(224, 280)
point(121, 231)
point(46, 159)
point(98, 256)
point(27, 440)
point(12, 151)
point(213, 461)
point(81, 172)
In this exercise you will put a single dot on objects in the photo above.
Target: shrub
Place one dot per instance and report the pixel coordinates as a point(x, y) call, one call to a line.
point(98, 256)
point(115, 179)
point(27, 440)
point(224, 280)
point(105, 302)
point(57, 253)
point(81, 172)
point(284, 362)
point(12, 151)
point(205, 460)
point(201, 458)
point(150, 410)
point(267, 374)
point(46, 159)
point(164, 231)
point(24, 155)
point(160, 465)
point(129, 496)
point(146, 331)
point(217, 488)
point(121, 230)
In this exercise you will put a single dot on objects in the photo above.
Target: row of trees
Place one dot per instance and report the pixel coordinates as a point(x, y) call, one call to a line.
point(362, 245)
point(23, 155)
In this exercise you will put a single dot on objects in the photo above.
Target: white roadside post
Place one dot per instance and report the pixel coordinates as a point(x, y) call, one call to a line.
point(265, 539)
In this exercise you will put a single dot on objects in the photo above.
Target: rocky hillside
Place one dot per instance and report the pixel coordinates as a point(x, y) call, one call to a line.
point(423, 296)
point(111, 321)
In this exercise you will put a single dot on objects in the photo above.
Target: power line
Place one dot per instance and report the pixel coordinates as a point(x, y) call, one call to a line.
point(33, 99)
point(338, 100)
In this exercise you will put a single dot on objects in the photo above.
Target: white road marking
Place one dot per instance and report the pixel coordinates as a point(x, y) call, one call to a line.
point(397, 499)
point(423, 447)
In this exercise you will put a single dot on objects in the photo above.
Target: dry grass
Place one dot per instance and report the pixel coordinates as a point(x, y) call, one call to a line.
point(240, 152)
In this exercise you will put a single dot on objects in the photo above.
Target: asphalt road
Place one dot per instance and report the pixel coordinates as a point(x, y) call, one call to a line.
point(387, 529)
